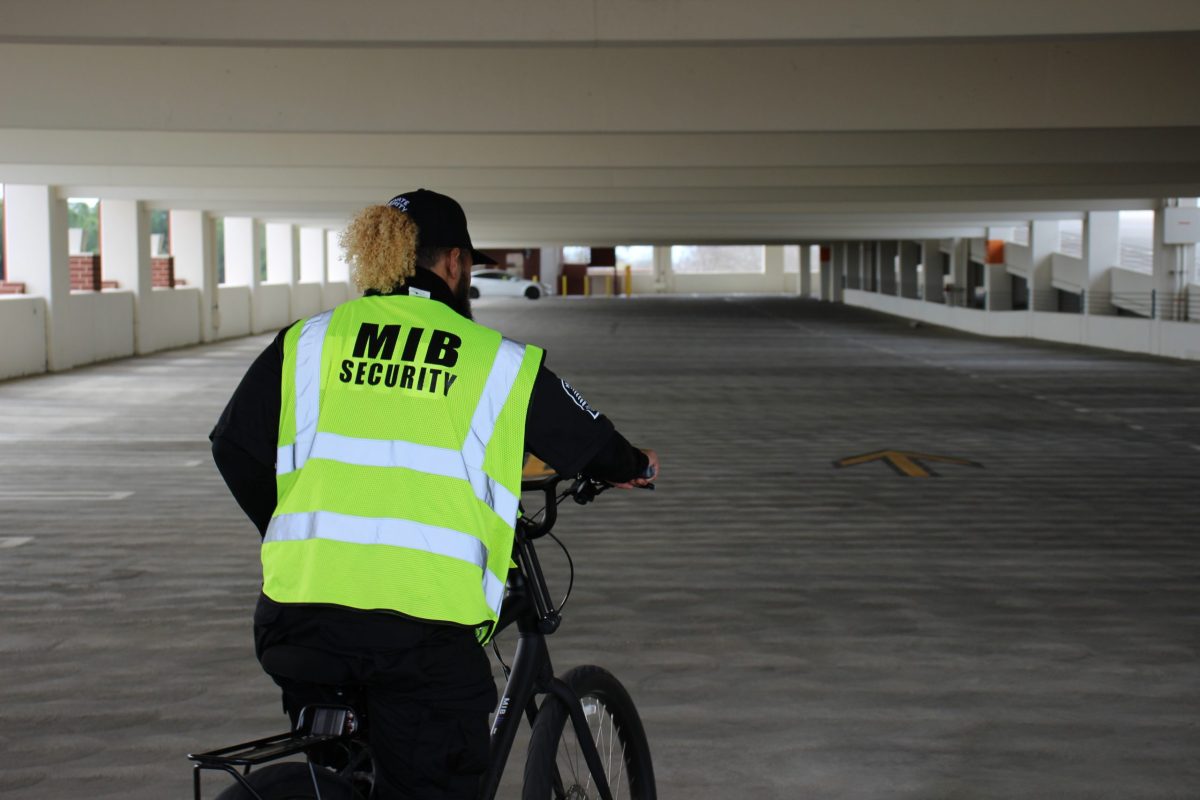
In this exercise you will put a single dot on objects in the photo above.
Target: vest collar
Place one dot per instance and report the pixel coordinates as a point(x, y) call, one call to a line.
point(426, 284)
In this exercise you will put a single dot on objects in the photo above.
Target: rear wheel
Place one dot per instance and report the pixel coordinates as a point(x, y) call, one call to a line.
point(556, 768)
point(290, 781)
point(533, 293)
point(473, 293)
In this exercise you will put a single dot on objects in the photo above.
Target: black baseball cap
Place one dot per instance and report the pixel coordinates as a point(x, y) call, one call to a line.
point(440, 221)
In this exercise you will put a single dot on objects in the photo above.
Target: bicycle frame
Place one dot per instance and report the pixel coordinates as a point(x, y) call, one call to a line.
point(531, 608)
point(528, 606)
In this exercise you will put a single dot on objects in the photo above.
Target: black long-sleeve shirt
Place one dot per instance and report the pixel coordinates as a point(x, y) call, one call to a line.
point(560, 428)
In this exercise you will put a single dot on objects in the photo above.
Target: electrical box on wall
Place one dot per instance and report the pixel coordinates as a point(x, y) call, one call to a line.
point(1181, 225)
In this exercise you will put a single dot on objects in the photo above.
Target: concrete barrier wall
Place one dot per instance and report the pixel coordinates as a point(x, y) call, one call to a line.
point(172, 317)
point(22, 335)
point(1129, 334)
point(1178, 340)
point(307, 299)
point(273, 307)
point(334, 294)
point(100, 328)
point(233, 303)
point(723, 283)
point(1070, 274)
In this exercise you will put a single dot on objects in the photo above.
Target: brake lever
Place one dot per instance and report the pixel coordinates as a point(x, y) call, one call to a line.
point(584, 490)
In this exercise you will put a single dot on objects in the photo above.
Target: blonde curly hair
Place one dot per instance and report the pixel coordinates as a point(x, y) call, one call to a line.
point(381, 248)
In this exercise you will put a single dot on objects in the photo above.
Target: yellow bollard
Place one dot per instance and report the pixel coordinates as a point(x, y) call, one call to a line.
point(587, 285)
point(564, 285)
point(628, 280)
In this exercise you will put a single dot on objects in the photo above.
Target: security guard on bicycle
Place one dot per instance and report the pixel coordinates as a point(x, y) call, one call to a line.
point(378, 449)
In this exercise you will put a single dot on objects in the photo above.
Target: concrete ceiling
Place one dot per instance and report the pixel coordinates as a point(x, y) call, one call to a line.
point(608, 122)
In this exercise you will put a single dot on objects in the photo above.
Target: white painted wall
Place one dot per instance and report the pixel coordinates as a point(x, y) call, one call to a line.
point(307, 299)
point(171, 318)
point(233, 315)
point(23, 334)
point(753, 283)
point(101, 327)
point(1068, 273)
point(272, 307)
point(334, 294)
point(1129, 334)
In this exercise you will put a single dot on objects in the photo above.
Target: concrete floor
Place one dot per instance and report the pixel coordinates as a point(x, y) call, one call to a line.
point(1024, 629)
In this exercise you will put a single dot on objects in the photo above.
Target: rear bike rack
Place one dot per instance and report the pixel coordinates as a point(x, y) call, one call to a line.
point(316, 726)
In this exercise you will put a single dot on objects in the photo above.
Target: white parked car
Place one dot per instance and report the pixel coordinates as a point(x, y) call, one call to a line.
point(498, 283)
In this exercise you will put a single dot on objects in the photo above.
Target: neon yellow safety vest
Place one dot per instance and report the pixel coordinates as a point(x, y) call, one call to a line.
point(401, 436)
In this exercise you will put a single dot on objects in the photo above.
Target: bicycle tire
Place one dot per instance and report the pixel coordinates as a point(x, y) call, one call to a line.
point(290, 781)
point(617, 730)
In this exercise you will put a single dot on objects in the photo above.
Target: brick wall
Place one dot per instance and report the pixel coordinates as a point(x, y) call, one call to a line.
point(162, 272)
point(85, 272)
point(11, 287)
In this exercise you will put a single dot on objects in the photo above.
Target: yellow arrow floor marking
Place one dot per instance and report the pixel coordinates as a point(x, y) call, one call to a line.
point(908, 464)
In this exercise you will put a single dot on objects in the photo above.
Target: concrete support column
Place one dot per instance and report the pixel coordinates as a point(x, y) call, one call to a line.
point(313, 256)
point(242, 241)
point(241, 252)
point(1173, 267)
point(125, 258)
point(931, 261)
point(997, 282)
point(960, 259)
point(283, 253)
point(841, 268)
point(663, 276)
point(773, 265)
point(35, 240)
point(885, 257)
point(1043, 241)
point(825, 278)
point(550, 264)
point(194, 251)
point(1101, 252)
point(804, 284)
point(853, 265)
point(910, 256)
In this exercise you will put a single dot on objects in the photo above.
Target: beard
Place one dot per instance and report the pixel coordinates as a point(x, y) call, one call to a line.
point(462, 295)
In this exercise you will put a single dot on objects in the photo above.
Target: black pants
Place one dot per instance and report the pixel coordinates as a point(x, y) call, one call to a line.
point(428, 693)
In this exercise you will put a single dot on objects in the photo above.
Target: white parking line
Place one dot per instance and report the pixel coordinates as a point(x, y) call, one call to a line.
point(60, 496)
point(9, 542)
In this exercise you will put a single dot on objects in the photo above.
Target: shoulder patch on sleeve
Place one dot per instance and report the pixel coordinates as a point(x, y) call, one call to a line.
point(577, 398)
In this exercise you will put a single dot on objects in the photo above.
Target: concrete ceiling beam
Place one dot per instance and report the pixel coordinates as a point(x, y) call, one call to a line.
point(583, 22)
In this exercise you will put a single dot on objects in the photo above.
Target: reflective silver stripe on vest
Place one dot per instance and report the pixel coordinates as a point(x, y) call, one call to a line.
point(493, 590)
point(496, 389)
point(465, 464)
point(308, 394)
point(394, 533)
point(371, 530)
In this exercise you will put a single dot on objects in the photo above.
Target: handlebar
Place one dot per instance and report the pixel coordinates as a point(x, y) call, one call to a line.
point(538, 477)
point(533, 594)
point(583, 490)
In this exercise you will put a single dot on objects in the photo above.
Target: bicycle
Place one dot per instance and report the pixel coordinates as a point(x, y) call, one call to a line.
point(603, 754)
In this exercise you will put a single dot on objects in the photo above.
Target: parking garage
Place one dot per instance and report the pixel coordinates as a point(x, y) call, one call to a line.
point(918, 348)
